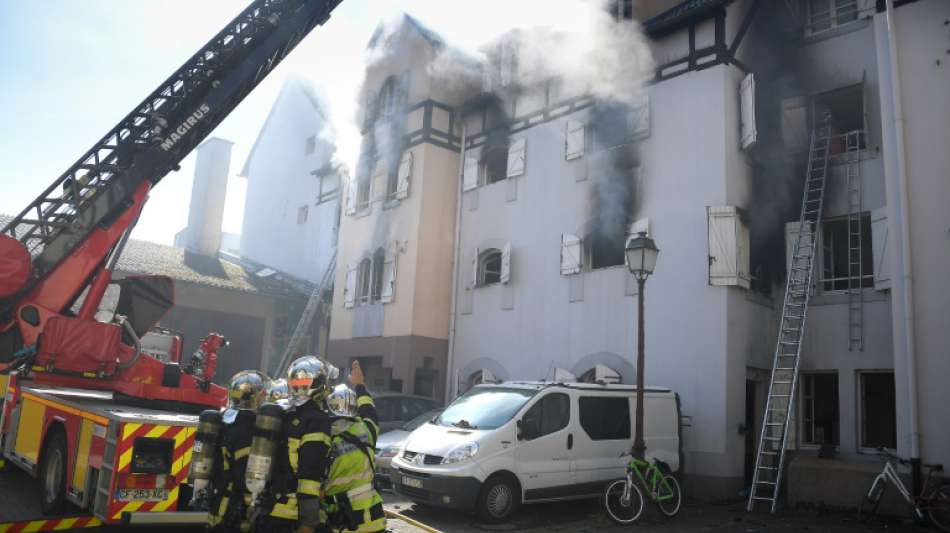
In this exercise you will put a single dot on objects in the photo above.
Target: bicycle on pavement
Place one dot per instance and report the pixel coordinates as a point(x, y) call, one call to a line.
point(623, 498)
point(933, 501)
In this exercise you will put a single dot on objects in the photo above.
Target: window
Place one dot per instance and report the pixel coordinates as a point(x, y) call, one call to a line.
point(302, 213)
point(311, 145)
point(846, 106)
point(364, 279)
point(489, 267)
point(878, 410)
point(827, 14)
point(605, 417)
point(387, 98)
point(820, 421)
point(376, 286)
point(484, 407)
point(604, 248)
point(835, 275)
point(548, 415)
point(362, 194)
point(494, 163)
point(328, 186)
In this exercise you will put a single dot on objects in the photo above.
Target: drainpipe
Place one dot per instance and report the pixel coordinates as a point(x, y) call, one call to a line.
point(906, 258)
point(456, 252)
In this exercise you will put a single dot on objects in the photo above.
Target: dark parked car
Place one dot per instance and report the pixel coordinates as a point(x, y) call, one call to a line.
point(395, 409)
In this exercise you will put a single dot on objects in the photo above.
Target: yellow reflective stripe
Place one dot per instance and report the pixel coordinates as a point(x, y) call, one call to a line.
point(366, 476)
point(286, 510)
point(129, 429)
point(315, 437)
point(364, 400)
point(242, 453)
point(308, 487)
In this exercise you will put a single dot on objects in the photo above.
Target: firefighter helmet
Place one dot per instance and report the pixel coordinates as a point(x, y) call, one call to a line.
point(246, 390)
point(342, 401)
point(310, 378)
point(278, 391)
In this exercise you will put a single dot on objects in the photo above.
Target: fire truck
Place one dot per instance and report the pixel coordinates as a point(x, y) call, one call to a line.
point(96, 402)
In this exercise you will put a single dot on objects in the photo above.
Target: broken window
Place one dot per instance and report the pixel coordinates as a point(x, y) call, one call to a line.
point(489, 267)
point(604, 248)
point(311, 145)
point(846, 107)
point(878, 410)
point(302, 213)
point(827, 14)
point(820, 421)
point(328, 185)
point(494, 163)
point(836, 272)
point(387, 98)
point(364, 280)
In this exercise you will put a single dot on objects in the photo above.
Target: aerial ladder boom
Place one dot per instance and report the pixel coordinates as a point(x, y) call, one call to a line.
point(65, 242)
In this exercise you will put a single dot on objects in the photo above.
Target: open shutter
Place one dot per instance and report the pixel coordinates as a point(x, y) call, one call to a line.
point(516, 158)
point(389, 277)
point(743, 259)
point(405, 173)
point(791, 238)
point(879, 238)
point(349, 287)
point(574, 140)
point(506, 263)
point(352, 190)
point(470, 174)
point(723, 264)
point(747, 111)
point(638, 120)
point(475, 268)
point(570, 254)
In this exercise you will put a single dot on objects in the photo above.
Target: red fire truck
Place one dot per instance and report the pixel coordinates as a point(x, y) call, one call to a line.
point(90, 406)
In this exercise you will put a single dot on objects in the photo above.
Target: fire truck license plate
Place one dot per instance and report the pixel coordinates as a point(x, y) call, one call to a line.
point(141, 495)
point(412, 482)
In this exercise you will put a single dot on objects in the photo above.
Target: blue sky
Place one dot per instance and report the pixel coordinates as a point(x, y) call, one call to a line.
point(70, 70)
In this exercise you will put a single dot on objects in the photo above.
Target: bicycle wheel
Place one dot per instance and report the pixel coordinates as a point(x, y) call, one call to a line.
point(669, 497)
point(620, 511)
point(938, 507)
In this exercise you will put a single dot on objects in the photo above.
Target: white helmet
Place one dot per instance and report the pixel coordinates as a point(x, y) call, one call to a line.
point(310, 378)
point(342, 401)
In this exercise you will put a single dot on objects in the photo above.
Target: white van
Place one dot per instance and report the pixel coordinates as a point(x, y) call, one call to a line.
point(501, 445)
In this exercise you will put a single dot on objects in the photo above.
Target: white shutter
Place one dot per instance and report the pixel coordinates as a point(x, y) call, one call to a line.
point(743, 247)
point(389, 277)
point(791, 238)
point(638, 120)
point(506, 263)
point(470, 174)
point(349, 287)
point(574, 140)
point(352, 190)
point(570, 254)
point(723, 264)
point(516, 158)
point(405, 173)
point(475, 269)
point(879, 238)
point(747, 111)
point(640, 225)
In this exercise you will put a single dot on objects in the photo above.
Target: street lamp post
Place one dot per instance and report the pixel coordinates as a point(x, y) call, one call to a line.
point(641, 253)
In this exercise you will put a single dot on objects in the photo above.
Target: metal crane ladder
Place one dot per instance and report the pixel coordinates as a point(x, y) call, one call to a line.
point(855, 252)
point(306, 318)
point(770, 457)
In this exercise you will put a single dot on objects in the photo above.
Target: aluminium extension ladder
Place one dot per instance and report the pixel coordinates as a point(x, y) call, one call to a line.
point(770, 456)
point(306, 318)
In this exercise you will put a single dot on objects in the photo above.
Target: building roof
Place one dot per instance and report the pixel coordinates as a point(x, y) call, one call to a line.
point(433, 38)
point(681, 14)
point(143, 257)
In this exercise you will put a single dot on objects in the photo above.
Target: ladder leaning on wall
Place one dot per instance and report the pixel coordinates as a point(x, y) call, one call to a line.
point(770, 455)
point(306, 318)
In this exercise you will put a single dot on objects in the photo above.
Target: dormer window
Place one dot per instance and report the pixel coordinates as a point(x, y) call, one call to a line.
point(387, 98)
point(829, 14)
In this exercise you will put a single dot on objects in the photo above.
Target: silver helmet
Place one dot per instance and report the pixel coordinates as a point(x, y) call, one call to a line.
point(310, 378)
point(342, 401)
point(278, 391)
point(246, 390)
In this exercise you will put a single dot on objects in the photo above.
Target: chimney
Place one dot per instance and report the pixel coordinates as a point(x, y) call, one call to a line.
point(208, 191)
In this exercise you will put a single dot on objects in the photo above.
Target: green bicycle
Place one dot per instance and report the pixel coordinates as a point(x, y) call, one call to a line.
point(624, 497)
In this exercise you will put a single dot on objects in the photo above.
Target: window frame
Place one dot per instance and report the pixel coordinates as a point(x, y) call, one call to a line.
point(834, 6)
point(862, 409)
point(303, 214)
point(377, 268)
point(325, 194)
point(386, 100)
point(587, 254)
point(483, 258)
point(483, 164)
point(580, 416)
point(540, 405)
point(364, 276)
point(804, 411)
point(867, 256)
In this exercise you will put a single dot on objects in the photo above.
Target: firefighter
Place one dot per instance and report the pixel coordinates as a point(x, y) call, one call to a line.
point(292, 501)
point(351, 500)
point(278, 391)
point(230, 500)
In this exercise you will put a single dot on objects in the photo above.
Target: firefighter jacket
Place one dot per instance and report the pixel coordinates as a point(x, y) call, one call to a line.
point(230, 503)
point(351, 501)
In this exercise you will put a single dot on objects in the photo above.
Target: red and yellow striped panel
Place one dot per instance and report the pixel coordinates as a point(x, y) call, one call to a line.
point(184, 438)
point(56, 524)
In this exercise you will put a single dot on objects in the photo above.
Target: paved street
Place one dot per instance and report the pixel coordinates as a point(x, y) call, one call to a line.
point(18, 497)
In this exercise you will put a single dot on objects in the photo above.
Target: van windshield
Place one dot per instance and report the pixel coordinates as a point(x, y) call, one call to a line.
point(484, 408)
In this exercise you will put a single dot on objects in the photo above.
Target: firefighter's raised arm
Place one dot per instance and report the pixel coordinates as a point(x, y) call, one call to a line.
point(365, 407)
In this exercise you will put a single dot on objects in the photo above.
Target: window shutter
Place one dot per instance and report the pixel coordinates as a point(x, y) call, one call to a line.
point(879, 238)
point(638, 120)
point(506, 263)
point(405, 173)
point(389, 277)
point(349, 287)
point(516, 158)
point(743, 260)
point(723, 253)
point(747, 111)
point(475, 269)
point(570, 254)
point(352, 190)
point(378, 182)
point(470, 174)
point(791, 238)
point(574, 140)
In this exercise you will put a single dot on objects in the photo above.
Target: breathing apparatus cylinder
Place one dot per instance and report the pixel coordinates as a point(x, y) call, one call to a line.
point(204, 450)
point(264, 446)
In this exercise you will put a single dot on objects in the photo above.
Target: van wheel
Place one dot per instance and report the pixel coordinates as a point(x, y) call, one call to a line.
point(498, 499)
point(53, 475)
